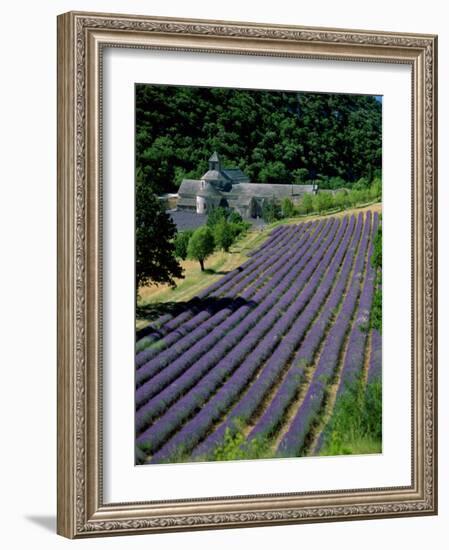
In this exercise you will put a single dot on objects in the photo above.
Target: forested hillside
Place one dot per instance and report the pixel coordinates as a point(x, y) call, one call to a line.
point(276, 137)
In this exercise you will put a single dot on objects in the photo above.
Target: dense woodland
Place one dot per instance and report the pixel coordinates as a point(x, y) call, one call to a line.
point(276, 137)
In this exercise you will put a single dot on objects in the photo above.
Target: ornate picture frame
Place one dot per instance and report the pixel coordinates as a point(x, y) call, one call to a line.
point(82, 38)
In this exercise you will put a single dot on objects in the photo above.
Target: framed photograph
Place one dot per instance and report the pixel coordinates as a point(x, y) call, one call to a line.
point(247, 277)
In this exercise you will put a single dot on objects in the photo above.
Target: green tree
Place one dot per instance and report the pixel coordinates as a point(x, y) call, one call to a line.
point(323, 202)
point(235, 217)
point(181, 243)
point(341, 199)
point(307, 203)
point(224, 235)
point(288, 208)
point(239, 228)
point(376, 189)
point(274, 172)
point(155, 258)
point(362, 183)
point(354, 197)
point(201, 245)
point(216, 215)
point(336, 182)
point(300, 176)
point(271, 210)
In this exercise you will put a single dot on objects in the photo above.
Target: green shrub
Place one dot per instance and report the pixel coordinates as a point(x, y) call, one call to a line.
point(271, 211)
point(354, 197)
point(322, 181)
point(376, 256)
point(240, 228)
point(341, 199)
point(306, 204)
point(235, 217)
point(236, 447)
point(181, 243)
point(216, 215)
point(362, 183)
point(287, 207)
point(376, 262)
point(376, 189)
point(323, 202)
point(376, 310)
point(356, 423)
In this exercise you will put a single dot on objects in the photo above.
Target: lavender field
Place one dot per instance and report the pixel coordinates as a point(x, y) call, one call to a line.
point(254, 365)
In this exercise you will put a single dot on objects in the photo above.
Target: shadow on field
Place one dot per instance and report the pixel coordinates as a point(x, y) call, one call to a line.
point(211, 271)
point(211, 305)
point(152, 311)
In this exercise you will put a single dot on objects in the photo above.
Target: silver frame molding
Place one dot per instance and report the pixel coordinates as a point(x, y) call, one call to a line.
point(81, 38)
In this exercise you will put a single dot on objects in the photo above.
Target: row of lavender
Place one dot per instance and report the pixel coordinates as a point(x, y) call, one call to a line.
point(223, 348)
point(230, 285)
point(328, 361)
point(241, 283)
point(243, 357)
point(197, 338)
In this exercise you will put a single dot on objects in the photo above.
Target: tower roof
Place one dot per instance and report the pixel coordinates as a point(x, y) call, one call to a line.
point(215, 175)
point(208, 190)
point(214, 157)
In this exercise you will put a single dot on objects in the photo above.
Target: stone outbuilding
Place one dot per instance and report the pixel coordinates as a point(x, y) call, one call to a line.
point(231, 188)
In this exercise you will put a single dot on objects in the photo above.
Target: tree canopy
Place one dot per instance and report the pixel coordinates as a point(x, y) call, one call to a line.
point(224, 236)
point(155, 258)
point(201, 245)
point(273, 136)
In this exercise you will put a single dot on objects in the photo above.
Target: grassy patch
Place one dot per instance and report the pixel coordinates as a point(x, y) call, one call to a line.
point(356, 424)
point(236, 447)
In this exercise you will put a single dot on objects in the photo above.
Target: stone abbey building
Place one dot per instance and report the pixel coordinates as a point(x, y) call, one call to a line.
point(231, 188)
